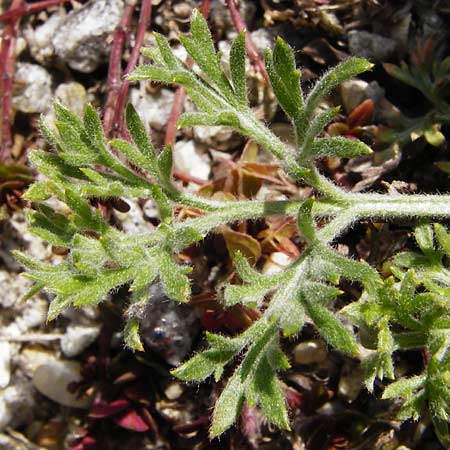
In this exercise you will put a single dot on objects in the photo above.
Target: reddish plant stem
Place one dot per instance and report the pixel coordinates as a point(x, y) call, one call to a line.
point(177, 106)
point(143, 24)
point(253, 54)
point(7, 62)
point(16, 13)
point(204, 8)
point(113, 82)
point(188, 178)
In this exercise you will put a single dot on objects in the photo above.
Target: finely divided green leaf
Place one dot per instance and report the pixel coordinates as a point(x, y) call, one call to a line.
point(200, 47)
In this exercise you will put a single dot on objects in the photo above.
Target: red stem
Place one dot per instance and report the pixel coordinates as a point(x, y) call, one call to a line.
point(15, 13)
point(143, 24)
point(252, 52)
point(177, 106)
point(204, 8)
point(7, 62)
point(114, 70)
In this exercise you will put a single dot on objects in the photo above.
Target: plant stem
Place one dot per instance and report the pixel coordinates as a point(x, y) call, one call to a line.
point(177, 106)
point(113, 82)
point(143, 24)
point(381, 206)
point(17, 12)
point(7, 62)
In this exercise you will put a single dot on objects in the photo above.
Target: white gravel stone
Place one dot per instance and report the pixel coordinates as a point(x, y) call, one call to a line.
point(73, 96)
point(353, 92)
point(6, 351)
point(82, 38)
point(32, 91)
point(190, 158)
point(77, 339)
point(13, 287)
point(219, 138)
point(32, 357)
point(133, 222)
point(154, 109)
point(52, 380)
point(31, 315)
point(40, 39)
point(16, 403)
point(174, 391)
point(277, 262)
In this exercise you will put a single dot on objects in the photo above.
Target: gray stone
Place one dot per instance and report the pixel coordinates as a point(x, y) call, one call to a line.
point(167, 327)
point(154, 109)
point(81, 41)
point(372, 46)
point(40, 39)
point(32, 91)
point(16, 403)
point(78, 338)
point(13, 287)
point(31, 315)
point(350, 382)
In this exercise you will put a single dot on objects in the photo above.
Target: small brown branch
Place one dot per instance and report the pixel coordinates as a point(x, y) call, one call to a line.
point(143, 24)
point(253, 54)
point(16, 13)
point(113, 82)
point(177, 107)
point(7, 62)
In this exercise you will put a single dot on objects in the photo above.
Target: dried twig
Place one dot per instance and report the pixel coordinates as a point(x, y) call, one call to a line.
point(252, 52)
point(7, 61)
point(113, 82)
point(17, 12)
point(143, 24)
